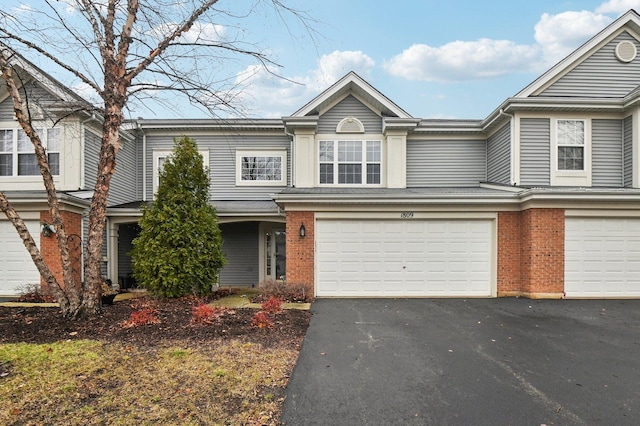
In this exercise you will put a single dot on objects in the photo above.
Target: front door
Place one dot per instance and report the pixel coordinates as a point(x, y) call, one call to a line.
point(275, 252)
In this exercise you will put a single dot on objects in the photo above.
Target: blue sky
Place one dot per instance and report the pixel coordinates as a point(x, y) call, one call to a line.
point(435, 59)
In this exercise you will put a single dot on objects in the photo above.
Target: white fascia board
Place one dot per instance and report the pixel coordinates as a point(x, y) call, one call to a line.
point(344, 85)
point(210, 124)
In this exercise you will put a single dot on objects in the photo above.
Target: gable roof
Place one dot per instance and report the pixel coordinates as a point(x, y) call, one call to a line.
point(353, 84)
point(629, 20)
point(65, 95)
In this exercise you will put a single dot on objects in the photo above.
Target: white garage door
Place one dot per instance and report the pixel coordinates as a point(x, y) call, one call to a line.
point(16, 267)
point(404, 258)
point(602, 257)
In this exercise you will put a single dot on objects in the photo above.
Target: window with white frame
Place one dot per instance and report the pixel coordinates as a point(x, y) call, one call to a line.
point(6, 152)
point(570, 152)
point(160, 157)
point(350, 162)
point(263, 167)
point(570, 141)
point(17, 157)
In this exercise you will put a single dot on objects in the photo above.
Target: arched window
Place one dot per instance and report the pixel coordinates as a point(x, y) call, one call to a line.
point(350, 125)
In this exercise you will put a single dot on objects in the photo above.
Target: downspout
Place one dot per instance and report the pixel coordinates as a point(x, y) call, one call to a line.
point(82, 149)
point(82, 183)
point(512, 146)
point(144, 162)
point(293, 157)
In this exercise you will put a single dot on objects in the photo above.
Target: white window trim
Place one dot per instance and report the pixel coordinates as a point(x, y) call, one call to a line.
point(363, 140)
point(282, 153)
point(42, 129)
point(570, 177)
point(164, 154)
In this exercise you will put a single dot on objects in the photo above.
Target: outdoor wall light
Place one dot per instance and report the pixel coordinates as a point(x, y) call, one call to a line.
point(303, 231)
point(47, 229)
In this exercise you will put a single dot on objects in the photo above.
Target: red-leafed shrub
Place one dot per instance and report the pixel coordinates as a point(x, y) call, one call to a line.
point(262, 320)
point(272, 306)
point(206, 314)
point(142, 317)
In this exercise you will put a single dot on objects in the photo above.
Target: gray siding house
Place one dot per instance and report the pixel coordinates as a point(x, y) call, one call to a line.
point(353, 197)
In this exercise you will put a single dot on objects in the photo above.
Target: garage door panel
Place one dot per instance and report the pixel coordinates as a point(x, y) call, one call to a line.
point(395, 258)
point(16, 267)
point(602, 257)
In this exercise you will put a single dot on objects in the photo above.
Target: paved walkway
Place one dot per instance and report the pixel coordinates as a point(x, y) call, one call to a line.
point(468, 362)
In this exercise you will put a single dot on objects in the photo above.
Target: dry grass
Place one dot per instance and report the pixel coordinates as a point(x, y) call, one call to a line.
point(86, 382)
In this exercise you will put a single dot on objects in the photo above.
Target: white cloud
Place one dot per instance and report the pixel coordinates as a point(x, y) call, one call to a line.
point(560, 34)
point(335, 65)
point(198, 33)
point(258, 88)
point(556, 36)
point(462, 60)
point(618, 6)
point(87, 92)
point(204, 32)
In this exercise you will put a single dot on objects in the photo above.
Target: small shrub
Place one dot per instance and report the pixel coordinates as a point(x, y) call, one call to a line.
point(32, 293)
point(106, 288)
point(142, 316)
point(272, 306)
point(205, 314)
point(261, 320)
point(287, 292)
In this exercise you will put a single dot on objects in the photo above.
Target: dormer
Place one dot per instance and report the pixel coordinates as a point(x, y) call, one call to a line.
point(350, 136)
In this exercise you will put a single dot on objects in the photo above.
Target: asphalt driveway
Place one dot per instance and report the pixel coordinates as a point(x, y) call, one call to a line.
point(468, 362)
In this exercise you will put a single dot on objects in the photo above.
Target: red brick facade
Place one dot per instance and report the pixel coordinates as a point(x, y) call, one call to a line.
point(49, 245)
point(531, 253)
point(300, 250)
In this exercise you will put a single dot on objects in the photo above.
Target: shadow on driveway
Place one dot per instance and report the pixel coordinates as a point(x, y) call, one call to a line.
point(468, 362)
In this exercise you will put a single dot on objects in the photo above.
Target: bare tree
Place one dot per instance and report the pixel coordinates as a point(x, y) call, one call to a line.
point(126, 51)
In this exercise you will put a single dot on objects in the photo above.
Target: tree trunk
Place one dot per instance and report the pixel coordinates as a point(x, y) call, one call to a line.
point(98, 212)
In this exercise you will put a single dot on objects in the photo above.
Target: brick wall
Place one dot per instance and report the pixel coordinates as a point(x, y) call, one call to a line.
point(531, 253)
point(509, 262)
point(49, 246)
point(300, 250)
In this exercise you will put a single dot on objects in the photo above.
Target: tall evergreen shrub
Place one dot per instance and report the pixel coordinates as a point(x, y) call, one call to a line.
point(179, 249)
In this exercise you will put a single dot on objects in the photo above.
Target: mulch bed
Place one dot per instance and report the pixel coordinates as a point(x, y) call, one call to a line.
point(46, 325)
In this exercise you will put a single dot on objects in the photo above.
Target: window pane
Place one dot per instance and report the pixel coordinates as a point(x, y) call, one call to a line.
point(373, 173)
point(262, 168)
point(349, 173)
point(24, 143)
point(6, 165)
point(326, 173)
point(570, 158)
point(53, 140)
point(570, 132)
point(326, 151)
point(54, 163)
point(373, 151)
point(6, 140)
point(27, 165)
point(349, 151)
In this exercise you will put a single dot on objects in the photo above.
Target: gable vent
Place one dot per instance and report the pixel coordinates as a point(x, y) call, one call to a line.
point(626, 51)
point(350, 125)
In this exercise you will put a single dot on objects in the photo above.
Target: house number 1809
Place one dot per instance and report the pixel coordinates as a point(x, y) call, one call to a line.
point(406, 215)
